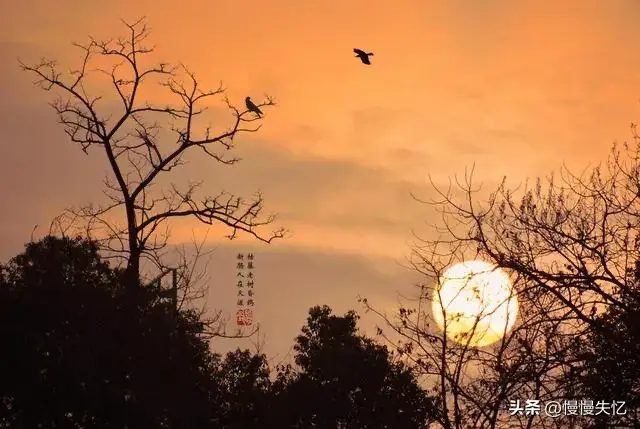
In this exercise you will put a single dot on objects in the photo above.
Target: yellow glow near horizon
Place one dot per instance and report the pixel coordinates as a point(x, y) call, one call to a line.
point(478, 301)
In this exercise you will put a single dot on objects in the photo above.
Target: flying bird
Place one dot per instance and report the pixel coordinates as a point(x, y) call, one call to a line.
point(364, 56)
point(252, 107)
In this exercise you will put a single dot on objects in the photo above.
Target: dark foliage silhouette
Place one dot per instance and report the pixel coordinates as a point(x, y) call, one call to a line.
point(347, 380)
point(82, 350)
point(610, 361)
point(77, 353)
point(245, 385)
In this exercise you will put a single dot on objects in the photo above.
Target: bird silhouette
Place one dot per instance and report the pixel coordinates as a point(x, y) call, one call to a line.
point(252, 107)
point(364, 56)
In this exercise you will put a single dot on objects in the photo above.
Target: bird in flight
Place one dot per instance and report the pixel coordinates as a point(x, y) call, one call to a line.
point(364, 56)
point(251, 107)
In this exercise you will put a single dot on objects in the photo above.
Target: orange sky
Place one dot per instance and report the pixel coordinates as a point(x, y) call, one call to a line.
point(516, 87)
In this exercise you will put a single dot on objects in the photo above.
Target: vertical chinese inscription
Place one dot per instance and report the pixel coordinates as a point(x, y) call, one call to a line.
point(245, 283)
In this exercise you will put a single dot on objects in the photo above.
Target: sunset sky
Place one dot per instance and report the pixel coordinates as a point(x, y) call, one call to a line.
point(516, 87)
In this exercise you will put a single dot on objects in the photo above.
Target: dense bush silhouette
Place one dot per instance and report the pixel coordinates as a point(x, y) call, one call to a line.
point(77, 353)
point(347, 380)
point(609, 360)
point(80, 350)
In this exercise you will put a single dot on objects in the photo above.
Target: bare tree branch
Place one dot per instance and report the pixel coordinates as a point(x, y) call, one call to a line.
point(572, 246)
point(137, 147)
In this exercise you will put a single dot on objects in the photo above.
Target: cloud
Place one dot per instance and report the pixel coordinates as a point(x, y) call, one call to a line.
point(348, 144)
point(304, 190)
point(320, 191)
point(42, 172)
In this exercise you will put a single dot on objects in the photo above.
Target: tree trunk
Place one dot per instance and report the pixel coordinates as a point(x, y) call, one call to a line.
point(132, 273)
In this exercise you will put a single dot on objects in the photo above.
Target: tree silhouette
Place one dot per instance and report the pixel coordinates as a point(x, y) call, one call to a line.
point(245, 386)
point(474, 383)
point(76, 353)
point(610, 367)
point(347, 380)
point(570, 246)
point(574, 238)
point(140, 151)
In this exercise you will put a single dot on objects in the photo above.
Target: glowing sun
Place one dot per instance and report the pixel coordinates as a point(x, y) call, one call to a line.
point(478, 302)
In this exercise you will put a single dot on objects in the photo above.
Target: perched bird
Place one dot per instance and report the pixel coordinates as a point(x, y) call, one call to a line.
point(252, 107)
point(364, 56)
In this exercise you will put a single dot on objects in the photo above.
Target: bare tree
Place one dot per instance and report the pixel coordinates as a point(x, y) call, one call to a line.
point(571, 246)
point(144, 142)
point(575, 238)
point(475, 383)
